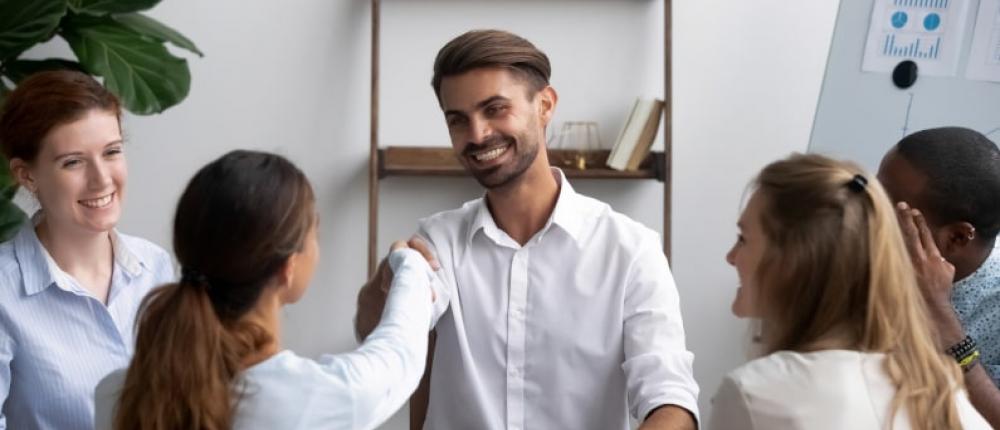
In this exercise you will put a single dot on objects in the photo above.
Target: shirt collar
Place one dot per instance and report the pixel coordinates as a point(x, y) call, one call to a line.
point(567, 215)
point(40, 271)
point(987, 272)
point(570, 212)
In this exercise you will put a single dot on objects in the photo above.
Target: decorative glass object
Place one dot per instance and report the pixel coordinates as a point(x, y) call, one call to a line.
point(579, 137)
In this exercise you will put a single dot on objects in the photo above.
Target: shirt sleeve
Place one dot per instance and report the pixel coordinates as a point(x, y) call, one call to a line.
point(440, 282)
point(658, 366)
point(730, 410)
point(6, 356)
point(387, 368)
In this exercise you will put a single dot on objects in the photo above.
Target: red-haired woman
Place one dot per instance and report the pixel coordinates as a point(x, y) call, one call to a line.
point(70, 284)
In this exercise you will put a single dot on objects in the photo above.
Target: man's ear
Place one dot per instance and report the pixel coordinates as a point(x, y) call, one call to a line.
point(548, 98)
point(22, 174)
point(956, 236)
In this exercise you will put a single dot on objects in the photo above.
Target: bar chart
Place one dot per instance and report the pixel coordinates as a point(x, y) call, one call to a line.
point(940, 4)
point(912, 46)
point(928, 32)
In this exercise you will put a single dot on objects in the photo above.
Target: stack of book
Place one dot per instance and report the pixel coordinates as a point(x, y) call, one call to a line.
point(637, 135)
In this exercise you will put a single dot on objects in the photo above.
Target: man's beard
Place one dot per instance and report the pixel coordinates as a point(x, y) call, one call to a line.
point(504, 174)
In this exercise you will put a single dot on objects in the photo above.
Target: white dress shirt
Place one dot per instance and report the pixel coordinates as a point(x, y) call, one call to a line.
point(56, 339)
point(824, 390)
point(577, 329)
point(356, 390)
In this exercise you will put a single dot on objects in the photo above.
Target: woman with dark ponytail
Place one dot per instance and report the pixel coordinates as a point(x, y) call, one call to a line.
point(208, 352)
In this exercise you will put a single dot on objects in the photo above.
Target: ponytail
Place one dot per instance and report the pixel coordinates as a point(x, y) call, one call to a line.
point(897, 323)
point(186, 362)
point(238, 222)
point(836, 263)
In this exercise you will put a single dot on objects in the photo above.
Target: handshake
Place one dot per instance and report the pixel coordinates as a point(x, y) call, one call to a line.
point(373, 295)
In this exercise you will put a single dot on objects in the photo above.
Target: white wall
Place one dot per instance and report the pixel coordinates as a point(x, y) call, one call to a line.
point(292, 77)
point(746, 82)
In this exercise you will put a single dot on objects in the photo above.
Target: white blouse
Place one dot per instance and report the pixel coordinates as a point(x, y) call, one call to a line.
point(833, 389)
point(355, 390)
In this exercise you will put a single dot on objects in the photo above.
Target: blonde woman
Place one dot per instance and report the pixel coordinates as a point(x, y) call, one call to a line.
point(822, 264)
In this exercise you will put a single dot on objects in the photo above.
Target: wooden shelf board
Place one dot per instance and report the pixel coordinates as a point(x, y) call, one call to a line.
point(441, 161)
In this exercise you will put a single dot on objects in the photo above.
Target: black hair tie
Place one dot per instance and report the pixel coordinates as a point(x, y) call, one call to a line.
point(192, 277)
point(858, 184)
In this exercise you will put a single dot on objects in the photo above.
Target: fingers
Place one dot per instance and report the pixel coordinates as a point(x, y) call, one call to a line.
point(926, 239)
point(399, 244)
point(383, 276)
point(911, 234)
point(422, 247)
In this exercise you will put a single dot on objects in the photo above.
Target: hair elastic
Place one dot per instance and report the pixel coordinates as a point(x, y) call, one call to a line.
point(193, 277)
point(858, 183)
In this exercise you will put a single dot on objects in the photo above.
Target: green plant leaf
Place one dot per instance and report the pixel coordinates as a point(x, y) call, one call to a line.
point(23, 23)
point(11, 218)
point(17, 70)
point(141, 72)
point(104, 7)
point(158, 31)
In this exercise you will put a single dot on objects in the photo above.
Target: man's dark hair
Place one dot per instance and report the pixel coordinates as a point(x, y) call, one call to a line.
point(492, 48)
point(963, 172)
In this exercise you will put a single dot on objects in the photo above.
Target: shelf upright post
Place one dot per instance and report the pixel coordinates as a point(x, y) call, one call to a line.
point(668, 147)
point(373, 151)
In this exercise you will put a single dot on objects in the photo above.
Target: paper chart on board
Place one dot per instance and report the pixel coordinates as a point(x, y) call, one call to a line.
point(928, 32)
point(984, 57)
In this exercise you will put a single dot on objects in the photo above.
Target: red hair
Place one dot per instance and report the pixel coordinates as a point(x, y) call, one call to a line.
point(44, 101)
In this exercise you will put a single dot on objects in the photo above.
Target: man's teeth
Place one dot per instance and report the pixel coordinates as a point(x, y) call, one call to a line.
point(491, 154)
point(99, 202)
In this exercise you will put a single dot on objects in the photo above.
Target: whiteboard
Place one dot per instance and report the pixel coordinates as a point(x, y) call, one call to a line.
point(860, 115)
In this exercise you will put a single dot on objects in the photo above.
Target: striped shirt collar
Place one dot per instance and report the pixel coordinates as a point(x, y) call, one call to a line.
point(32, 254)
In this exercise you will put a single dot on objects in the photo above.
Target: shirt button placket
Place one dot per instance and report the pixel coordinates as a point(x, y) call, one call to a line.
point(516, 331)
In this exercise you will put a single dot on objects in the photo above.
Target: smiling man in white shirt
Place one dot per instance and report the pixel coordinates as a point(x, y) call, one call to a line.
point(559, 313)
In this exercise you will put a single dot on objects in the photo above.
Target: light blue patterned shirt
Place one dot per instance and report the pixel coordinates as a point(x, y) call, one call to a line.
point(56, 339)
point(977, 302)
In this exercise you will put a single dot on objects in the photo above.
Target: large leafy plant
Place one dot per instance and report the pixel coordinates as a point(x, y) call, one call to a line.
point(110, 39)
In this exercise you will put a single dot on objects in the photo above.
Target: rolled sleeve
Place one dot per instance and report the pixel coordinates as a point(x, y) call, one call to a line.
point(657, 366)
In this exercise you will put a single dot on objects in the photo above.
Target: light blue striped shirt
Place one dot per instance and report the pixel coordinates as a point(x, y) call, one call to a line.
point(56, 339)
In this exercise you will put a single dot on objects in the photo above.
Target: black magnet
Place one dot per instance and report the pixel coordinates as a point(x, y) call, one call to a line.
point(905, 74)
